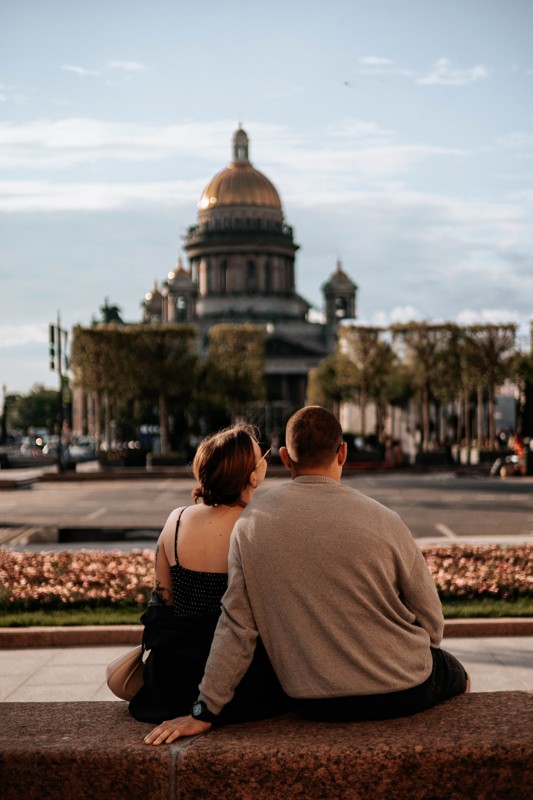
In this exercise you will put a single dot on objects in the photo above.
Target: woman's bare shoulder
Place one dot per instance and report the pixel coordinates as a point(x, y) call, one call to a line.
point(166, 537)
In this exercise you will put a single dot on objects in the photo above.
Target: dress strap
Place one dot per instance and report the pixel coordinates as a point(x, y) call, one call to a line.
point(176, 536)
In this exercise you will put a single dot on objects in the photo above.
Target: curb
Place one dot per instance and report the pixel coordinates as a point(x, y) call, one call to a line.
point(101, 635)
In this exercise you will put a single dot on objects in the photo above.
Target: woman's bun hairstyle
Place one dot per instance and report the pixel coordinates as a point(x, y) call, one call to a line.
point(223, 464)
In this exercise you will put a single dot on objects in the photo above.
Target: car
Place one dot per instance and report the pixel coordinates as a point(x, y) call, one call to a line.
point(83, 448)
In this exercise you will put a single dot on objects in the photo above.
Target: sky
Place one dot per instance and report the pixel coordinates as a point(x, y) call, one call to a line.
point(399, 134)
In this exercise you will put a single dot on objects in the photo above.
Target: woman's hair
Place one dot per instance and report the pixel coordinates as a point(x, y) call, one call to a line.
point(223, 464)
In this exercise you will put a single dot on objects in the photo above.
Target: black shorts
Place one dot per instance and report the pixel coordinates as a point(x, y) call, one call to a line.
point(448, 678)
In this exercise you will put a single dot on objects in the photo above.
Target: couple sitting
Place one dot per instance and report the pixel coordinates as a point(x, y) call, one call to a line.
point(323, 605)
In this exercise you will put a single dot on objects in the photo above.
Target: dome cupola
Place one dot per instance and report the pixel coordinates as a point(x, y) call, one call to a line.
point(241, 252)
point(240, 184)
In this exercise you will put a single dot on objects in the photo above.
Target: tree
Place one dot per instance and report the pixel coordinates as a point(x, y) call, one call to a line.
point(102, 365)
point(373, 359)
point(492, 354)
point(165, 360)
point(37, 409)
point(425, 344)
point(332, 382)
point(234, 367)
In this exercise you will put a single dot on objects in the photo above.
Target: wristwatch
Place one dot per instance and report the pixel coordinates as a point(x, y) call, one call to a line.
point(200, 711)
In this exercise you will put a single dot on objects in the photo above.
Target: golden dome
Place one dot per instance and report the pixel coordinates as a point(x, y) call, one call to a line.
point(239, 184)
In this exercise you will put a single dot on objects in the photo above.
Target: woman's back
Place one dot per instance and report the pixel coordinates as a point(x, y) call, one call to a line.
point(192, 557)
point(195, 591)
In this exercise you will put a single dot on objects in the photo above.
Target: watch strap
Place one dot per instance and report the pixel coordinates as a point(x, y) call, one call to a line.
point(200, 711)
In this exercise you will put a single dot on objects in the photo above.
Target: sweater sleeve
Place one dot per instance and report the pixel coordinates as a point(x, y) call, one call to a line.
point(234, 641)
point(419, 594)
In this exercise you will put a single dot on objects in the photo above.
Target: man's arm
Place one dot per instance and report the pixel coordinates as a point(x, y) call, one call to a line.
point(419, 594)
point(235, 637)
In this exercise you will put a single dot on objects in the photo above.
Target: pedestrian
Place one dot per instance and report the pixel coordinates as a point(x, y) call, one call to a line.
point(190, 579)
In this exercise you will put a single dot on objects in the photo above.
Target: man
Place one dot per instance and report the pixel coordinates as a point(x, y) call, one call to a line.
point(336, 587)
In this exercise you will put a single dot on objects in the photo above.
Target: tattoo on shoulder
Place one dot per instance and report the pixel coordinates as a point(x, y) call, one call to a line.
point(164, 594)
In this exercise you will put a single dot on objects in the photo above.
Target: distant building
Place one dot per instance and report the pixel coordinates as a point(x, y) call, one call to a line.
point(241, 269)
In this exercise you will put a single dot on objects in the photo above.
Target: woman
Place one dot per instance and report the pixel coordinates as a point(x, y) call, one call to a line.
point(191, 577)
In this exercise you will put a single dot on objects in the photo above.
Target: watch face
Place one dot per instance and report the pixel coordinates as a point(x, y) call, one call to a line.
point(196, 709)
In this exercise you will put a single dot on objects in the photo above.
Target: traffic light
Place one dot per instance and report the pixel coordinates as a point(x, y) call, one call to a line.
point(52, 329)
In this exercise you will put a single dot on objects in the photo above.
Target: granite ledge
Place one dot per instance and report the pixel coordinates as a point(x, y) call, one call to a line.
point(92, 635)
point(473, 746)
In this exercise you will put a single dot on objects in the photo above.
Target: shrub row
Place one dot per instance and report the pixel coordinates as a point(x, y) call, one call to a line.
point(65, 579)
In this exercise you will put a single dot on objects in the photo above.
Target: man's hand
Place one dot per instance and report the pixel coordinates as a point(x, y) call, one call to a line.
point(172, 729)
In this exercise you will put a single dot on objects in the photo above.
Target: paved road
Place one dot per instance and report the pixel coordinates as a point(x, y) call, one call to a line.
point(434, 506)
point(455, 507)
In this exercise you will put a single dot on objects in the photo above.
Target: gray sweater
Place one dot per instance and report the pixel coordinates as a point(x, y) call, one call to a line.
point(336, 587)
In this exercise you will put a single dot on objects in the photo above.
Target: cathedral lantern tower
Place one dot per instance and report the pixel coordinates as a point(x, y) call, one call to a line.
point(181, 292)
point(241, 251)
point(339, 295)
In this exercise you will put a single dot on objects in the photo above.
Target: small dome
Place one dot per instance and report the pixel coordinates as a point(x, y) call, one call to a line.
point(239, 184)
point(154, 296)
point(339, 277)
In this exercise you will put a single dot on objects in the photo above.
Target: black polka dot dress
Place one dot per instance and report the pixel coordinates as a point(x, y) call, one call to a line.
point(195, 592)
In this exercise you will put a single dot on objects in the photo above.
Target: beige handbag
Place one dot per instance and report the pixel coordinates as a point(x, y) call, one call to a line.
point(124, 675)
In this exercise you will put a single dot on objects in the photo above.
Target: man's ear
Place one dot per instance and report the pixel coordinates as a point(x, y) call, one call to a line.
point(342, 455)
point(285, 457)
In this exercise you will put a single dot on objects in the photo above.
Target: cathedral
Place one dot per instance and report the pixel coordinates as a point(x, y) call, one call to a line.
point(241, 269)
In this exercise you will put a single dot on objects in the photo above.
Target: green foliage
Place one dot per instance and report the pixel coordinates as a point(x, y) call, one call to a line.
point(492, 352)
point(487, 608)
point(399, 387)
point(332, 381)
point(136, 363)
point(37, 409)
point(234, 366)
point(163, 358)
point(84, 615)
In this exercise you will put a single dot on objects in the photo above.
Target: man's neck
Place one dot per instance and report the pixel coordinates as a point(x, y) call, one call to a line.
point(334, 473)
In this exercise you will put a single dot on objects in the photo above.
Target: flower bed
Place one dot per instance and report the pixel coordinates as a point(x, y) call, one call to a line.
point(71, 579)
point(468, 573)
point(100, 578)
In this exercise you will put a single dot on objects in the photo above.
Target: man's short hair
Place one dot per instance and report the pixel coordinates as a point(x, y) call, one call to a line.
point(313, 436)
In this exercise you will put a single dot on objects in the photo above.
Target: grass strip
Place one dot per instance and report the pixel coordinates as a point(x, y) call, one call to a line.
point(125, 615)
point(487, 608)
point(130, 615)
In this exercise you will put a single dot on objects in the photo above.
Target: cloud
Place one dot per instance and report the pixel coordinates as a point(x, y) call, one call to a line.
point(18, 335)
point(358, 129)
point(64, 143)
point(496, 316)
point(379, 66)
point(519, 143)
point(9, 94)
point(398, 314)
point(444, 74)
point(83, 72)
point(127, 69)
point(126, 66)
point(375, 61)
point(43, 196)
point(353, 148)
